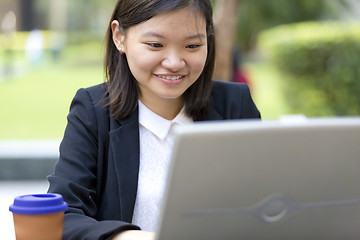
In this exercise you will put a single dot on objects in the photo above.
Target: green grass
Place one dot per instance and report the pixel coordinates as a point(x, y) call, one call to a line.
point(35, 104)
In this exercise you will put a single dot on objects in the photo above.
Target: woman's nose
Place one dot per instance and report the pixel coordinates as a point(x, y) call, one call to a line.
point(173, 62)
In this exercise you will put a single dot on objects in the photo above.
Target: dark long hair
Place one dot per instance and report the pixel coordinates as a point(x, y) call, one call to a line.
point(122, 88)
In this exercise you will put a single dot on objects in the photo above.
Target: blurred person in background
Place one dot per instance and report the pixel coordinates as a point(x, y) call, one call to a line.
point(116, 148)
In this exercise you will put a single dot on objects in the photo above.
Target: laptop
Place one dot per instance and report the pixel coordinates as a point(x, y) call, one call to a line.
point(285, 179)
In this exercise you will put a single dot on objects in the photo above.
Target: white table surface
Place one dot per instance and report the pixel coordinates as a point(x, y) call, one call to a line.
point(9, 190)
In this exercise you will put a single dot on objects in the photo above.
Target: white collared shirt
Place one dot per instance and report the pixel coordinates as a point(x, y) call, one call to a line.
point(156, 142)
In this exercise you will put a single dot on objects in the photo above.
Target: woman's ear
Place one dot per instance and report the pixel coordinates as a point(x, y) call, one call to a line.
point(118, 36)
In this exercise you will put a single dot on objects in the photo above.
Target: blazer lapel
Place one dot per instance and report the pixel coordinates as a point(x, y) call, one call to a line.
point(124, 144)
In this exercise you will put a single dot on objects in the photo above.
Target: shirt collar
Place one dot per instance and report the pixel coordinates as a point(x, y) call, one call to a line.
point(159, 125)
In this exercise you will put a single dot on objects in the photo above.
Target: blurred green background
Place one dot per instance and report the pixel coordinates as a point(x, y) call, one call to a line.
point(38, 83)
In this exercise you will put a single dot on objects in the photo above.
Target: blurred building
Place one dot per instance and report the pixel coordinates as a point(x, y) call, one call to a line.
point(27, 16)
point(58, 15)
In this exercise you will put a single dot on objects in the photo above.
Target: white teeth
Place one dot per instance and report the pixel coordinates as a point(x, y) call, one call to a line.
point(170, 77)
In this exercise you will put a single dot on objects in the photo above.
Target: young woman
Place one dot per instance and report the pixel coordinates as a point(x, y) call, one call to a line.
point(113, 158)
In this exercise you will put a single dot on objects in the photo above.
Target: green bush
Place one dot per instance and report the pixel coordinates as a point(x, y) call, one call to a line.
point(321, 64)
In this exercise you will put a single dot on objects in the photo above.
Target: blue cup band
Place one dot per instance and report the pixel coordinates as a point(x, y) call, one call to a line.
point(38, 204)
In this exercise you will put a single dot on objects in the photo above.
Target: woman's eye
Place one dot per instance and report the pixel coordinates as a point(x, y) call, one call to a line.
point(155, 45)
point(193, 46)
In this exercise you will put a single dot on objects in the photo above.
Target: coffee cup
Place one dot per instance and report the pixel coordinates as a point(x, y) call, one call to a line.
point(38, 216)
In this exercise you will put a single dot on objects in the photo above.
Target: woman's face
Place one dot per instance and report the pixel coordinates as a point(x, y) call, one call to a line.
point(166, 54)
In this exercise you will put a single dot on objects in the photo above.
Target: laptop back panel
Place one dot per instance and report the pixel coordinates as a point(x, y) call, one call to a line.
point(264, 180)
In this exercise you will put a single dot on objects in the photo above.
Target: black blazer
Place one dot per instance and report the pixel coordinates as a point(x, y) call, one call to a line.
point(97, 171)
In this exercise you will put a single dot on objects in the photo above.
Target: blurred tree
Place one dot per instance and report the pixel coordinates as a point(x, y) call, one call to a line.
point(238, 22)
point(58, 15)
point(27, 13)
point(257, 15)
point(89, 14)
point(225, 17)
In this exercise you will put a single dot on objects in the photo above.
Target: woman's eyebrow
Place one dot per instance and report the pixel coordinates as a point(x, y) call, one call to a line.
point(153, 34)
point(200, 36)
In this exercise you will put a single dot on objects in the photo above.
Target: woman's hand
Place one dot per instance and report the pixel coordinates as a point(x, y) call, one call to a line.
point(134, 235)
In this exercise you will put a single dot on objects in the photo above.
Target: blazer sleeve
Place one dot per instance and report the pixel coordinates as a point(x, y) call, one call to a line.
point(234, 101)
point(75, 174)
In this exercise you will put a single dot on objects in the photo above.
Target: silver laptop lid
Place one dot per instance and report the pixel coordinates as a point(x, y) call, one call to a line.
point(264, 180)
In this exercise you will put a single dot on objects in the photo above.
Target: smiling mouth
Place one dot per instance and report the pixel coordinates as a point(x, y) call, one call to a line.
point(167, 77)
